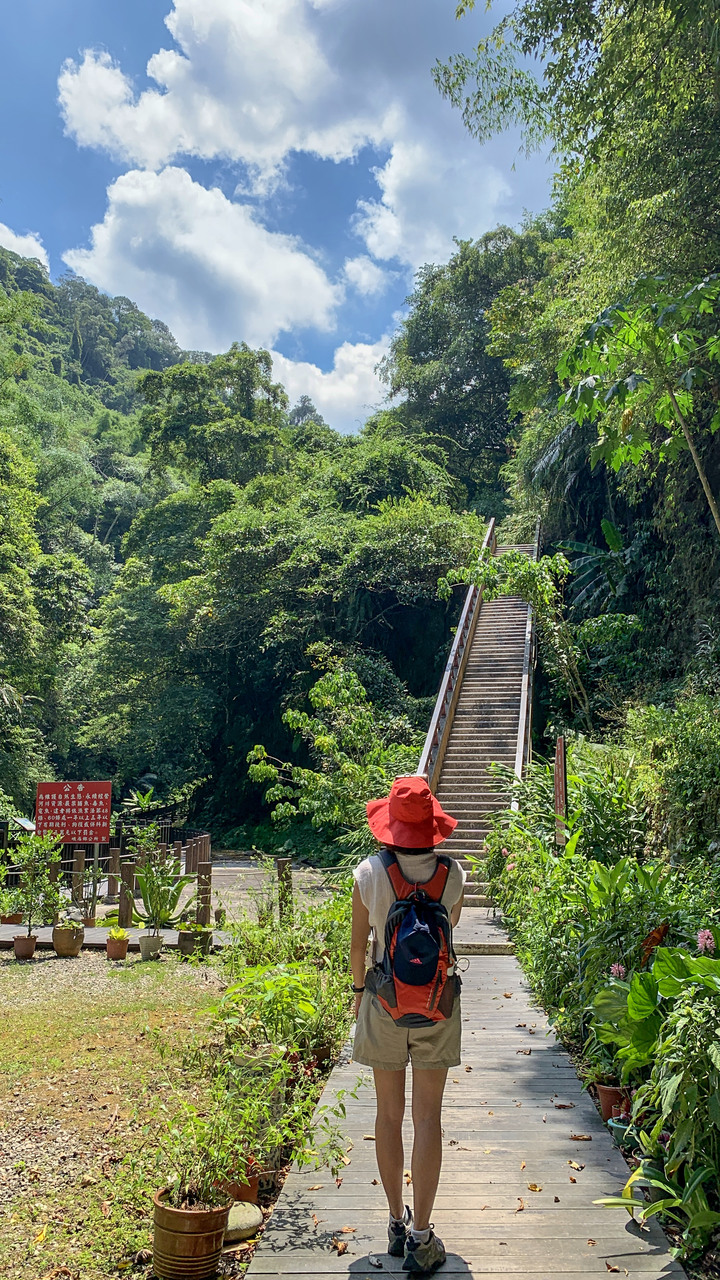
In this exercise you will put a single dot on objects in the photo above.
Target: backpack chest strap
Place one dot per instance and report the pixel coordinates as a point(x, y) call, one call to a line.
point(434, 888)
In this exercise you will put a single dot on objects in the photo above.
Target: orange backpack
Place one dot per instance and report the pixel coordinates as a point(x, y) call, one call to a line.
point(416, 982)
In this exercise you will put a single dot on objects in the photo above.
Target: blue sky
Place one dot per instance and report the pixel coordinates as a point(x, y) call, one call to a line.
point(269, 171)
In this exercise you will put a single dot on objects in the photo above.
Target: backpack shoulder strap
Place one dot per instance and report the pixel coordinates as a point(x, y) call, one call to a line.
point(435, 887)
point(401, 887)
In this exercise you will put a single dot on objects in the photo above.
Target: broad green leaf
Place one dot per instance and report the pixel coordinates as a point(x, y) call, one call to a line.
point(643, 997)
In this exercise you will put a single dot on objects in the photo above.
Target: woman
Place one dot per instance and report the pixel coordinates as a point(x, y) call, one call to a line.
point(410, 823)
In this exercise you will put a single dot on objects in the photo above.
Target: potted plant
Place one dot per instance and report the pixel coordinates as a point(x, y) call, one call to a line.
point(67, 938)
point(8, 912)
point(619, 1124)
point(116, 944)
point(37, 895)
point(161, 886)
point(194, 939)
point(196, 1153)
point(86, 890)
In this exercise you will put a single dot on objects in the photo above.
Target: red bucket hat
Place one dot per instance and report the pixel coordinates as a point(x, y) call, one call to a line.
point(410, 816)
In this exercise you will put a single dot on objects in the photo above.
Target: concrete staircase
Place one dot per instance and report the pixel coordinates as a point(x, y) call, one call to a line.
point(482, 716)
point(484, 730)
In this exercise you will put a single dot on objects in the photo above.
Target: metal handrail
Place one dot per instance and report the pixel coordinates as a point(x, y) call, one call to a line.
point(526, 694)
point(433, 750)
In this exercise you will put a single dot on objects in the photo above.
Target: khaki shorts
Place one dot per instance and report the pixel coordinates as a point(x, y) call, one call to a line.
point(382, 1044)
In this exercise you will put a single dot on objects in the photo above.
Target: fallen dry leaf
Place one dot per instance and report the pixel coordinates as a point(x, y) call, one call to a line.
point(572, 1179)
point(592, 1241)
point(105, 1208)
point(522, 1166)
point(340, 1245)
point(581, 1137)
point(408, 1179)
point(345, 1160)
point(507, 995)
point(556, 1199)
point(544, 1119)
point(316, 1221)
point(521, 1024)
point(526, 1052)
point(468, 1068)
point(374, 1183)
point(533, 1186)
point(317, 1186)
point(347, 1231)
point(368, 1137)
point(456, 1081)
point(521, 1205)
point(491, 1113)
point(338, 1182)
point(611, 1268)
point(41, 1236)
point(564, 1106)
point(574, 1165)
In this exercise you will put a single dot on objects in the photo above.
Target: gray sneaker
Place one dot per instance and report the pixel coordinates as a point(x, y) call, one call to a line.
point(423, 1257)
point(398, 1233)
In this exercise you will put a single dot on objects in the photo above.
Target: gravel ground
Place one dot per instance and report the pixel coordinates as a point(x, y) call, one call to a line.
point(90, 979)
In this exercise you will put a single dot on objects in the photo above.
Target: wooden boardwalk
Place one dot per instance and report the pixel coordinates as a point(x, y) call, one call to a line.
point(511, 1110)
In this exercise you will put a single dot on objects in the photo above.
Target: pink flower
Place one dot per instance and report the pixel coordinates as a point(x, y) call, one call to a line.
point(510, 866)
point(705, 941)
point(506, 853)
point(618, 970)
point(536, 888)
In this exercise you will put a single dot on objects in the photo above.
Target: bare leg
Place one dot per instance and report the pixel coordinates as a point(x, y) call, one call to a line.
point(427, 1096)
point(390, 1091)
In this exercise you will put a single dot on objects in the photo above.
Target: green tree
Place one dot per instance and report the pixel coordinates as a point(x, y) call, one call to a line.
point(656, 350)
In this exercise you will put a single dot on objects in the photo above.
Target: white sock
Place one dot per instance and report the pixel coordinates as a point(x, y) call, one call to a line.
point(422, 1237)
point(405, 1217)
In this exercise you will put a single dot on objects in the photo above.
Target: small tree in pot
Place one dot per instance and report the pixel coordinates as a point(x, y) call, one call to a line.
point(37, 895)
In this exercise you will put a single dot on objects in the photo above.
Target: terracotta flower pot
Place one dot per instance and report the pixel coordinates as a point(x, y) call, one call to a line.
point(89, 921)
point(150, 946)
point(609, 1096)
point(187, 1243)
point(116, 948)
point(24, 947)
point(67, 942)
point(16, 918)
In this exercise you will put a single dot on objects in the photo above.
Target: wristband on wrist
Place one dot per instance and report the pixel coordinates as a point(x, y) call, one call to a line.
point(358, 990)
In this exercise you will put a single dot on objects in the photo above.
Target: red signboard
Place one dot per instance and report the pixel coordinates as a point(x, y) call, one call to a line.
point(76, 811)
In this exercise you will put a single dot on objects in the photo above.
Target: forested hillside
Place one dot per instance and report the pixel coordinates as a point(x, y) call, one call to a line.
point(183, 555)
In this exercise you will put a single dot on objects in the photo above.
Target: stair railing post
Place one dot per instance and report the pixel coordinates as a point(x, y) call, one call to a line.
point(560, 787)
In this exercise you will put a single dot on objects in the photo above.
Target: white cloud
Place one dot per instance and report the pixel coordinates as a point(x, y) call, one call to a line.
point(365, 276)
point(345, 396)
point(415, 219)
point(28, 245)
point(254, 82)
point(203, 263)
point(249, 82)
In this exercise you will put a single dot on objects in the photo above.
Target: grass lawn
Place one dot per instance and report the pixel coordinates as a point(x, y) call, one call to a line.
point(80, 1074)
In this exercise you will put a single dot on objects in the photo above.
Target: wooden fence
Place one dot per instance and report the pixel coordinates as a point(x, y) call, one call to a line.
point(116, 865)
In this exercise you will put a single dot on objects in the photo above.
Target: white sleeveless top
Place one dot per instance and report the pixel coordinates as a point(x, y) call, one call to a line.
point(378, 895)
